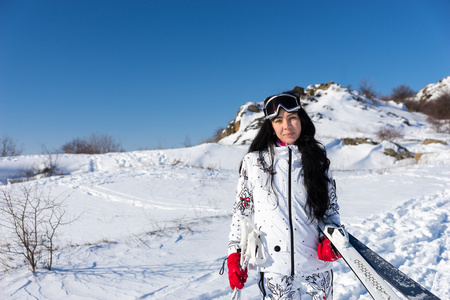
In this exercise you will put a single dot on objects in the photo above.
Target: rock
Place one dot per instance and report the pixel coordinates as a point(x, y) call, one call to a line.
point(399, 153)
point(433, 141)
point(358, 141)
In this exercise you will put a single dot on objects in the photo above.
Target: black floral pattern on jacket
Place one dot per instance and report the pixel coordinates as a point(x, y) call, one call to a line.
point(245, 205)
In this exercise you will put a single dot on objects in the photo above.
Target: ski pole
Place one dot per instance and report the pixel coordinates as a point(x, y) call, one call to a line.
point(244, 259)
point(237, 292)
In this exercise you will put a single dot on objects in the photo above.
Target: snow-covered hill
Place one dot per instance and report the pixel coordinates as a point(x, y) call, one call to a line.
point(433, 91)
point(154, 224)
point(338, 113)
point(351, 127)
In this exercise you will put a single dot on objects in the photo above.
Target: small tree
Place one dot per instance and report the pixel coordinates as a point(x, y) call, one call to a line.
point(31, 219)
point(8, 147)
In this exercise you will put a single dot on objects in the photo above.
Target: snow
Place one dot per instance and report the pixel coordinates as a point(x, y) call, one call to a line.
point(433, 91)
point(154, 224)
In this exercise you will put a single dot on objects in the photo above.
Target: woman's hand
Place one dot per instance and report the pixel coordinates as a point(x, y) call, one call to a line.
point(236, 275)
point(326, 251)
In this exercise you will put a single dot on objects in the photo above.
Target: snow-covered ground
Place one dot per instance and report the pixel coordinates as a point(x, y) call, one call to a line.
point(154, 224)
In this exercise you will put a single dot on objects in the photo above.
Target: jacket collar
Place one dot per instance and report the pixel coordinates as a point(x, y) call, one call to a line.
point(282, 152)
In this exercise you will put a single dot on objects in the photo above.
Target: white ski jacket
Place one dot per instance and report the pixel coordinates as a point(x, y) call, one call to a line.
point(290, 239)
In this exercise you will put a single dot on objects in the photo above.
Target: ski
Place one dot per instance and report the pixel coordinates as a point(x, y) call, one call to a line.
point(371, 280)
point(400, 281)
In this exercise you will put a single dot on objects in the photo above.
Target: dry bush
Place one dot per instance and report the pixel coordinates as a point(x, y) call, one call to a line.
point(216, 137)
point(366, 88)
point(440, 126)
point(439, 108)
point(51, 166)
point(94, 144)
point(388, 134)
point(76, 146)
point(30, 218)
point(187, 142)
point(8, 147)
point(416, 106)
point(103, 143)
point(402, 93)
point(48, 168)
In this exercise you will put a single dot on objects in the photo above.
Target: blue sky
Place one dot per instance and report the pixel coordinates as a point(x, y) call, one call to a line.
point(155, 73)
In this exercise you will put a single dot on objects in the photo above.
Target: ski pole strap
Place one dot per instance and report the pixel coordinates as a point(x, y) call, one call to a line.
point(222, 270)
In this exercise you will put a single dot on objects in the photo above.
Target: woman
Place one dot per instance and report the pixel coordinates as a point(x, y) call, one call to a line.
point(284, 190)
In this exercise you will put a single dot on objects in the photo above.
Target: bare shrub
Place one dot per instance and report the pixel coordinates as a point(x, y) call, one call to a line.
point(416, 106)
point(31, 219)
point(161, 144)
point(367, 89)
point(438, 108)
point(177, 162)
point(389, 133)
point(76, 146)
point(94, 144)
point(187, 142)
point(103, 143)
point(402, 93)
point(215, 137)
point(385, 97)
point(49, 167)
point(8, 147)
point(440, 126)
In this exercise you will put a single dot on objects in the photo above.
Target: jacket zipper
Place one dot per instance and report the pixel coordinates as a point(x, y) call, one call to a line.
point(290, 212)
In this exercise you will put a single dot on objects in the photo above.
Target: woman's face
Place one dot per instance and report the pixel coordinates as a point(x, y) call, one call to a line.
point(287, 126)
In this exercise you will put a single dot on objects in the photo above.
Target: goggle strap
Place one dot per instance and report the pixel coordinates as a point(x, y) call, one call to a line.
point(275, 113)
point(286, 109)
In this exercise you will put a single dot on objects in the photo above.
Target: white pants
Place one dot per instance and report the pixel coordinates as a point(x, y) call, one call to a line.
point(281, 287)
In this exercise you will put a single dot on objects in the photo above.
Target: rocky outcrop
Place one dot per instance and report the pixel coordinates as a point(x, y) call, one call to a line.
point(336, 111)
point(433, 141)
point(358, 141)
point(433, 91)
point(399, 152)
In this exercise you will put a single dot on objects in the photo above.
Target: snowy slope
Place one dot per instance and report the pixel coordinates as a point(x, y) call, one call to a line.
point(433, 91)
point(337, 113)
point(340, 114)
point(154, 224)
point(159, 231)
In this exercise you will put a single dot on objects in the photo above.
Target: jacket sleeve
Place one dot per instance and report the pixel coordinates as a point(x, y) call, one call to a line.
point(243, 208)
point(332, 214)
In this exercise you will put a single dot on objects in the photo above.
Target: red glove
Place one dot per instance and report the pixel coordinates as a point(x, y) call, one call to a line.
point(236, 275)
point(326, 251)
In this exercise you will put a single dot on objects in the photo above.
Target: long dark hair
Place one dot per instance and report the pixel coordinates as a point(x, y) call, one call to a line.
point(314, 160)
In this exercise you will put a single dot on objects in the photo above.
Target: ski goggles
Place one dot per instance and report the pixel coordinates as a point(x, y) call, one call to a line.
point(287, 101)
